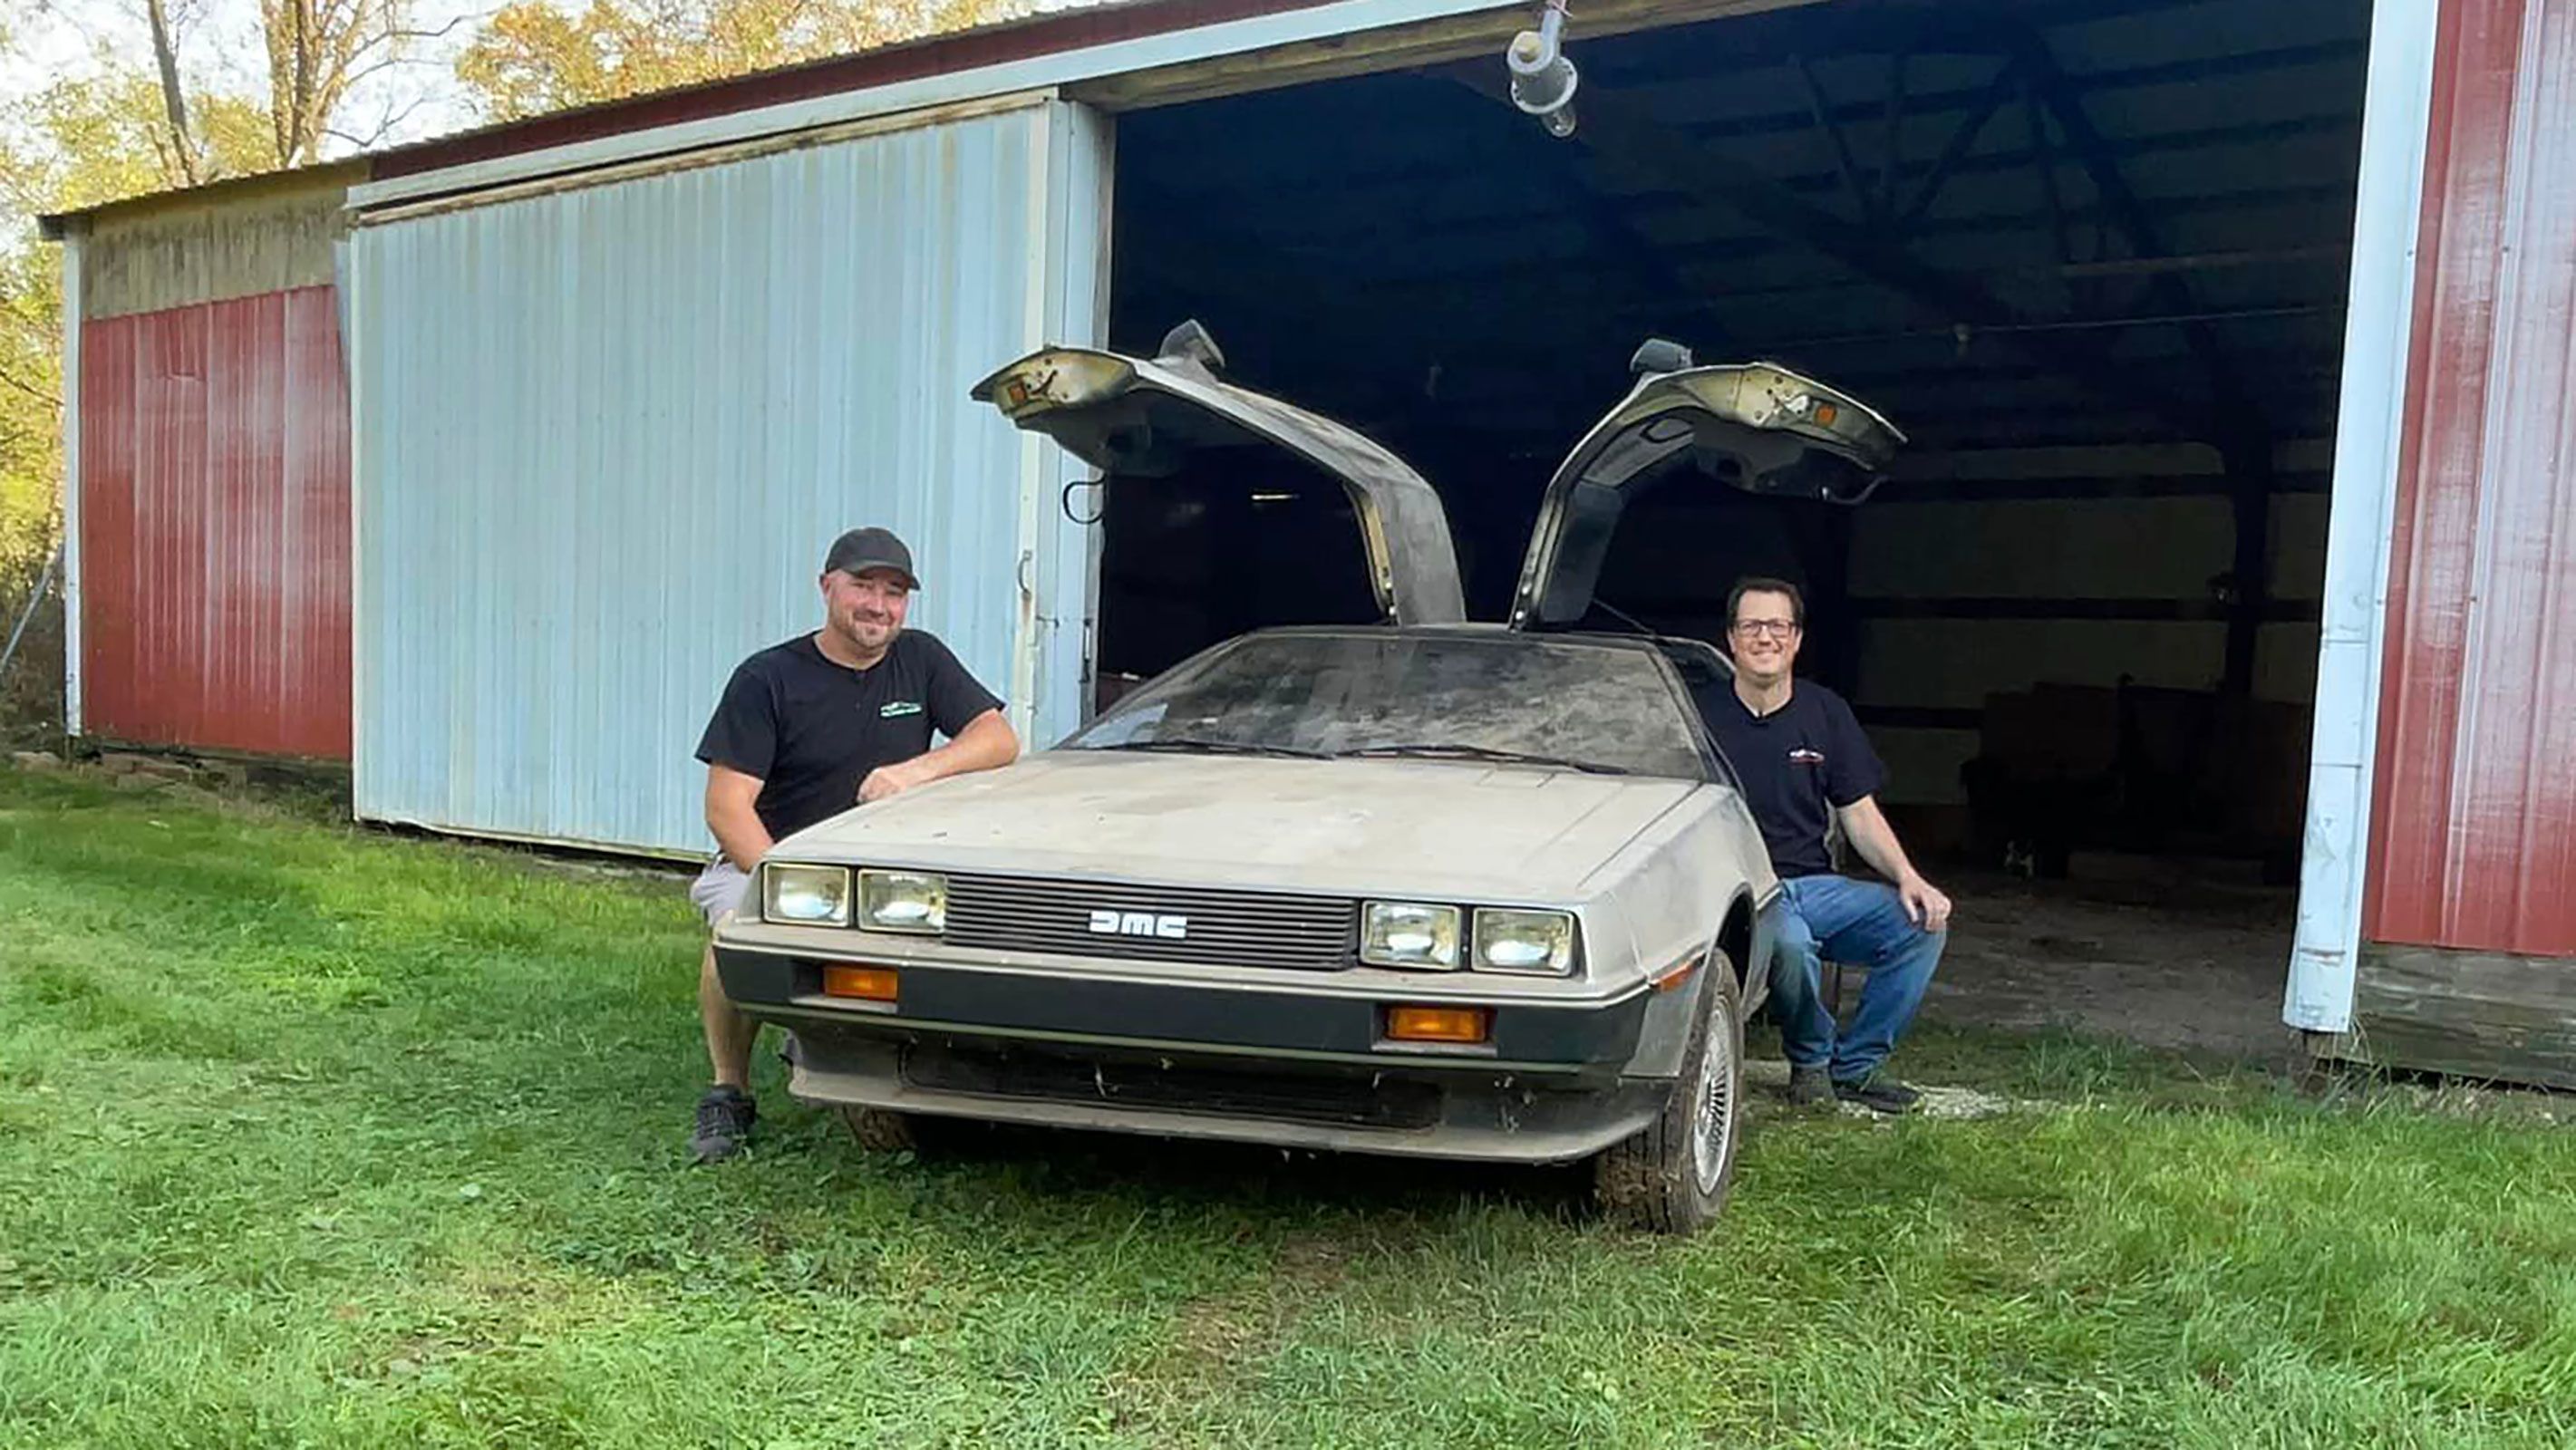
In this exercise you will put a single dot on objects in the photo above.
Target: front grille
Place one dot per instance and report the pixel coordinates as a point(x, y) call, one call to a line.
point(1223, 928)
point(1218, 1092)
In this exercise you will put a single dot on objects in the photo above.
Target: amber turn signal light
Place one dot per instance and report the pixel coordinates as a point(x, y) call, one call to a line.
point(1469, 1025)
point(869, 984)
point(1675, 976)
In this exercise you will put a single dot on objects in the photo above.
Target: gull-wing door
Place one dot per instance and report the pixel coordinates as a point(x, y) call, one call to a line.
point(1150, 417)
point(1755, 426)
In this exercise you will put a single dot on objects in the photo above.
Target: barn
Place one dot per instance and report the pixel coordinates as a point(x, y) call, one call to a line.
point(2233, 346)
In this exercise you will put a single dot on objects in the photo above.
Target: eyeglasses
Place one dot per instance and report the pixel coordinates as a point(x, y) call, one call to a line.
point(1757, 628)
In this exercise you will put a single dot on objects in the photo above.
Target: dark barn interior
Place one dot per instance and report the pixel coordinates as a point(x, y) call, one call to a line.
point(2088, 254)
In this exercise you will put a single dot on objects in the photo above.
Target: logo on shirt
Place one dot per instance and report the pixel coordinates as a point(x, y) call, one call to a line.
point(895, 708)
point(1802, 755)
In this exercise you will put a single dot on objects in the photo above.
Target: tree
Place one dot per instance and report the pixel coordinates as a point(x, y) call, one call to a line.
point(314, 60)
point(174, 92)
point(137, 119)
point(30, 434)
point(533, 57)
point(319, 52)
point(72, 144)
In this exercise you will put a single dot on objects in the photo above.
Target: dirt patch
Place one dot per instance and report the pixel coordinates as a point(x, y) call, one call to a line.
point(1219, 1331)
point(1769, 1079)
point(1313, 1262)
point(2161, 956)
point(1216, 1337)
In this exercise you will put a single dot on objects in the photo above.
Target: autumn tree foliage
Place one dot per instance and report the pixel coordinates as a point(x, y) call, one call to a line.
point(533, 56)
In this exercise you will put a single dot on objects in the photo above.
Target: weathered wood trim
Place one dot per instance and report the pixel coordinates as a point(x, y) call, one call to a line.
point(703, 158)
point(230, 191)
point(2473, 1014)
point(198, 248)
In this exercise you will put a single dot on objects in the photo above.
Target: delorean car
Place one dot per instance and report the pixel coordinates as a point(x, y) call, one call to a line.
point(1422, 887)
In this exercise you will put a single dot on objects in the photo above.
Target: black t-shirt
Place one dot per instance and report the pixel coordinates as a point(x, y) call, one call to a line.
point(812, 730)
point(1797, 763)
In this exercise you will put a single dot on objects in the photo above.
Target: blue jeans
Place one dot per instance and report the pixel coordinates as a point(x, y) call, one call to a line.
point(1861, 923)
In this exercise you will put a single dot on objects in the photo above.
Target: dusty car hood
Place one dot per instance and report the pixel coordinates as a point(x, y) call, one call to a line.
point(1343, 827)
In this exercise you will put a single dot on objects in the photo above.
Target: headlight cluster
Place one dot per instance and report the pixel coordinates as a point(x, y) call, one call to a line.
point(911, 902)
point(1425, 937)
point(805, 895)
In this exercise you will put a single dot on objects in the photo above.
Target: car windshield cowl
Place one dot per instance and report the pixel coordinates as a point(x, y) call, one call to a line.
point(1439, 748)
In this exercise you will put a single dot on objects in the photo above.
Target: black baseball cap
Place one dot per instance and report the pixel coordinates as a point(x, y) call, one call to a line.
point(863, 549)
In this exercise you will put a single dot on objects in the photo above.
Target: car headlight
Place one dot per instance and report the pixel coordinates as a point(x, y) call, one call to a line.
point(1410, 934)
point(1538, 943)
point(907, 901)
point(805, 895)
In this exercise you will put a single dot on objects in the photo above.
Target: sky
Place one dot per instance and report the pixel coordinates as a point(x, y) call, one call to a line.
point(219, 49)
point(219, 46)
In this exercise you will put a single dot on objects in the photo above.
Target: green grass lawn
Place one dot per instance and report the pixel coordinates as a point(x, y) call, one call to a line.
point(313, 1136)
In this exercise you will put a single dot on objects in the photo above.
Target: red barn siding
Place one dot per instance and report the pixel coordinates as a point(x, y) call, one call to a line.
point(2474, 829)
point(215, 527)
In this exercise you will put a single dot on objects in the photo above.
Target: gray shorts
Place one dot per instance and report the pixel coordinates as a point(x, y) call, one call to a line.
point(719, 889)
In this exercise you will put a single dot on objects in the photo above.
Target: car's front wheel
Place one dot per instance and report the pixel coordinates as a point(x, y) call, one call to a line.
point(1674, 1176)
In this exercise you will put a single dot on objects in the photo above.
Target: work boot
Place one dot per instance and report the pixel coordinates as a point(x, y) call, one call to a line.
point(725, 1116)
point(1879, 1093)
point(1809, 1087)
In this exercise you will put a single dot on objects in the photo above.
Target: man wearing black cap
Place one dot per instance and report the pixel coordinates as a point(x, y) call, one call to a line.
point(805, 730)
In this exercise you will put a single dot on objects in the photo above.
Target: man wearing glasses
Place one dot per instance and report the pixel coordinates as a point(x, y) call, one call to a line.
point(1806, 767)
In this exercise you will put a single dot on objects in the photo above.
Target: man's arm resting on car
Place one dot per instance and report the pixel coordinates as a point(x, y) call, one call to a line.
point(987, 743)
point(1876, 842)
point(731, 796)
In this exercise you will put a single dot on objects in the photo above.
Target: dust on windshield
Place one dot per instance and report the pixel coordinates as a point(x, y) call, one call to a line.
point(1506, 697)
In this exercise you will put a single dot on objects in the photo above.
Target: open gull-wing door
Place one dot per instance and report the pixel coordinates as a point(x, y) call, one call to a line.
point(1145, 418)
point(1755, 426)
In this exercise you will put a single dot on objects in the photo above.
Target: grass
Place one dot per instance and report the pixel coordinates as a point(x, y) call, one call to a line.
point(315, 1136)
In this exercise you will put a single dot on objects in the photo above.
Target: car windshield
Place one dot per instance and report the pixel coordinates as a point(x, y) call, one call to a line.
point(1514, 699)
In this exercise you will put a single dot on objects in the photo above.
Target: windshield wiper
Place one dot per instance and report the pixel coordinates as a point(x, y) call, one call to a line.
point(1192, 746)
point(1485, 752)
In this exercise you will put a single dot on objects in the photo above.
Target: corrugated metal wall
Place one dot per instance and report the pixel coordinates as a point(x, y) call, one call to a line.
point(214, 526)
point(606, 434)
point(2475, 827)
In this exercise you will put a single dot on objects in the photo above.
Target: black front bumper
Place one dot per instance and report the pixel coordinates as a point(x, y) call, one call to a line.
point(1207, 1059)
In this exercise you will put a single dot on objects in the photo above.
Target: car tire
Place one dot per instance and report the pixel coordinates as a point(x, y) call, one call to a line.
point(1674, 1177)
point(880, 1130)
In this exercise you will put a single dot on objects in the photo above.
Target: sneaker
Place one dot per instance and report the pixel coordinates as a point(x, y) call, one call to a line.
point(725, 1116)
point(1879, 1093)
point(1809, 1087)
